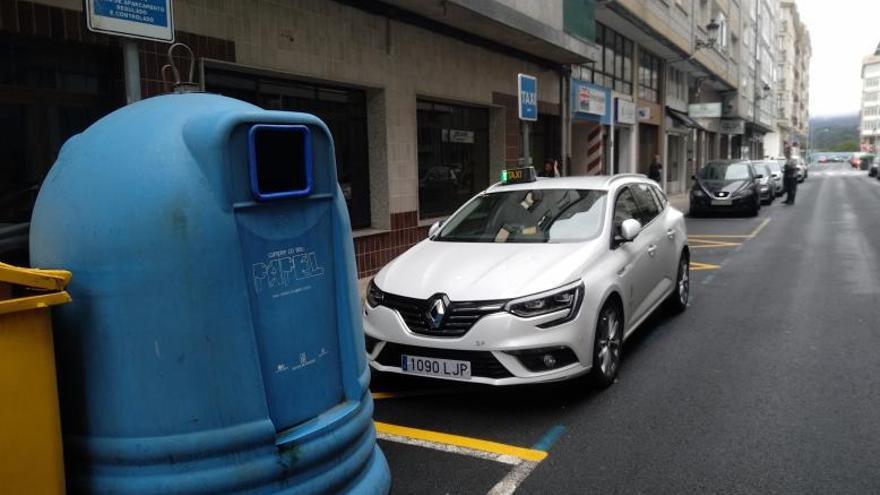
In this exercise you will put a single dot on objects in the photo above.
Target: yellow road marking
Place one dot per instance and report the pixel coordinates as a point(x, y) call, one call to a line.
point(383, 395)
point(717, 236)
point(460, 441)
point(760, 228)
point(695, 266)
point(705, 243)
point(752, 235)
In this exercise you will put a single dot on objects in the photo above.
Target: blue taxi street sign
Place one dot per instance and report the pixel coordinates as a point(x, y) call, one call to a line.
point(528, 97)
point(144, 19)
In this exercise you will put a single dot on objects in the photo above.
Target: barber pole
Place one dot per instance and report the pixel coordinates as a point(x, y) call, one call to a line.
point(594, 150)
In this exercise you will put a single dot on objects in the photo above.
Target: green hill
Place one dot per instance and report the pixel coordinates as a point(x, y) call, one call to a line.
point(835, 133)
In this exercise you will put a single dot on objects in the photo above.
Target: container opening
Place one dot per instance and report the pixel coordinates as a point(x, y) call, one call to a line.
point(280, 161)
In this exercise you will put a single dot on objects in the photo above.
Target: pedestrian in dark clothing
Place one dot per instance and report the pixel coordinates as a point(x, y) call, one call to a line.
point(550, 168)
point(654, 170)
point(790, 177)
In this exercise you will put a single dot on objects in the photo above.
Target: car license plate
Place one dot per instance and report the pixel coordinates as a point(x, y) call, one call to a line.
point(449, 368)
point(722, 202)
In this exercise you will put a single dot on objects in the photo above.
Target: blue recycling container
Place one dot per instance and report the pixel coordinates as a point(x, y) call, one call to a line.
point(214, 344)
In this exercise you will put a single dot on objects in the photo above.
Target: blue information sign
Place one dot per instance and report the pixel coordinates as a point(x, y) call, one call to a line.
point(146, 19)
point(528, 97)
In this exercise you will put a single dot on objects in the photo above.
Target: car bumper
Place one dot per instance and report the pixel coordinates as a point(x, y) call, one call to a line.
point(501, 347)
point(704, 204)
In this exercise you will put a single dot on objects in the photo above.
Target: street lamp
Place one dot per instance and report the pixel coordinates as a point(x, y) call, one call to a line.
point(712, 30)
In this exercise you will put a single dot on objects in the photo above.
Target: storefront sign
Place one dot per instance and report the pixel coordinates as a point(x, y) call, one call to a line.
point(591, 100)
point(528, 97)
point(144, 19)
point(458, 136)
point(705, 110)
point(626, 112)
point(732, 126)
point(644, 113)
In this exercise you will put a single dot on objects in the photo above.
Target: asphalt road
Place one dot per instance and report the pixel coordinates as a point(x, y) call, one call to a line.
point(769, 383)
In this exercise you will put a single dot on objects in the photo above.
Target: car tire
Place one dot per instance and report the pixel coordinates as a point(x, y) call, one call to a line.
point(607, 345)
point(677, 301)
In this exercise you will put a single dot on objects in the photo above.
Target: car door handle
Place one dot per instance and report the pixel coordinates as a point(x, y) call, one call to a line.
point(651, 250)
point(670, 234)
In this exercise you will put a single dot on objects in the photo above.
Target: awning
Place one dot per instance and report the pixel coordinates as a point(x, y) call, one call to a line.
point(683, 119)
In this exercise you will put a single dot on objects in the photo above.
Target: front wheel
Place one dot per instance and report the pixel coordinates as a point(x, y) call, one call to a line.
point(607, 346)
point(679, 298)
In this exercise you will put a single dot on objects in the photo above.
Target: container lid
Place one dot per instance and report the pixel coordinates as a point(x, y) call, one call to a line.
point(52, 282)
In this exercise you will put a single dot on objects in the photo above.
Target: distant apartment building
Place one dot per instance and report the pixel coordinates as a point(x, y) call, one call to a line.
point(793, 52)
point(870, 128)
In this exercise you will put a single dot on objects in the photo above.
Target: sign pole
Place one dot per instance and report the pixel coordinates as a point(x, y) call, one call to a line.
point(526, 150)
point(612, 165)
point(131, 63)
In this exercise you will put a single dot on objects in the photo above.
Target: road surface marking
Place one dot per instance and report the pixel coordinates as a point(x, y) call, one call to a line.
point(509, 484)
point(549, 438)
point(472, 444)
point(717, 236)
point(383, 395)
point(760, 228)
point(706, 243)
point(695, 266)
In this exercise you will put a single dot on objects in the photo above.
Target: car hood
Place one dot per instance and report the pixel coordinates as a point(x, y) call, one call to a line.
point(472, 271)
point(717, 186)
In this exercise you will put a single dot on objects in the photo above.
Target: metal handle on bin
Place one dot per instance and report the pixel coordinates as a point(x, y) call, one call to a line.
point(178, 85)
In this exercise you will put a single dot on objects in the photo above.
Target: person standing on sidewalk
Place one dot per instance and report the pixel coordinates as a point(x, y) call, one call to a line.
point(655, 169)
point(790, 177)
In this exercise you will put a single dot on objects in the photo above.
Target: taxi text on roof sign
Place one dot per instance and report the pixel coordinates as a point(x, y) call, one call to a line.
point(518, 175)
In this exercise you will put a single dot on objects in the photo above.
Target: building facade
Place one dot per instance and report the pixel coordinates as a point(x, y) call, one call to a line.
point(421, 96)
point(870, 115)
point(792, 83)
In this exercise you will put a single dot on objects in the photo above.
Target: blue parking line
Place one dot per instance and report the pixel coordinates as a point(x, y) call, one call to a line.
point(548, 439)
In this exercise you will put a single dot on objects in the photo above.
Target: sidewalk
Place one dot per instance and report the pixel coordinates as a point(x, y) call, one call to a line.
point(680, 201)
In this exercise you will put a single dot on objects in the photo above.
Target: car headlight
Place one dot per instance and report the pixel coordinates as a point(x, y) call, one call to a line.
point(698, 193)
point(567, 298)
point(375, 297)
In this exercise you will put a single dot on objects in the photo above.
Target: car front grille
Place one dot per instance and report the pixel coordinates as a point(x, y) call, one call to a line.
point(483, 363)
point(460, 317)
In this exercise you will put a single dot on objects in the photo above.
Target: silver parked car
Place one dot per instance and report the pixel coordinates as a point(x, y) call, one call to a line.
point(776, 175)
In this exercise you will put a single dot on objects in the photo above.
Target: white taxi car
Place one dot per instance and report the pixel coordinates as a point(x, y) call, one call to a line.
point(532, 280)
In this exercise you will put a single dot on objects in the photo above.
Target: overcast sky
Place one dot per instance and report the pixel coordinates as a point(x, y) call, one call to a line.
point(843, 32)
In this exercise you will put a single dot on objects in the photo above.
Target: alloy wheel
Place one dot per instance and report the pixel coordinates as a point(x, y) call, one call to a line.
point(684, 282)
point(609, 342)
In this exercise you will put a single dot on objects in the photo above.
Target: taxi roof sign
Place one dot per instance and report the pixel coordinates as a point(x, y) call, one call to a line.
point(518, 175)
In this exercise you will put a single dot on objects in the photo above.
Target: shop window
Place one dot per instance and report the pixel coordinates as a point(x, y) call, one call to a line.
point(344, 110)
point(453, 149)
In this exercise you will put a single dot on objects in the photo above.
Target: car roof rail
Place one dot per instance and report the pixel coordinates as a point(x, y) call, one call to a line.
point(616, 177)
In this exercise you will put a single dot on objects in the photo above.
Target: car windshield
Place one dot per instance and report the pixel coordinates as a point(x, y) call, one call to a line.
point(521, 216)
point(725, 171)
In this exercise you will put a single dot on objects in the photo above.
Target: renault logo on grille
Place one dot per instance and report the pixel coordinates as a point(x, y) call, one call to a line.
point(437, 310)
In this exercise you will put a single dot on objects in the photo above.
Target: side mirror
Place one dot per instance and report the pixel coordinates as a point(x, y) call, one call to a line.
point(629, 229)
point(759, 176)
point(434, 229)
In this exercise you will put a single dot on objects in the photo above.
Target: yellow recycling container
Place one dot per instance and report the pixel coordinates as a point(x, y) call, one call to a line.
point(31, 459)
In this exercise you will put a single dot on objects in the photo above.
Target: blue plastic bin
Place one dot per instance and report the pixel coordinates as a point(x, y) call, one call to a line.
point(215, 343)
